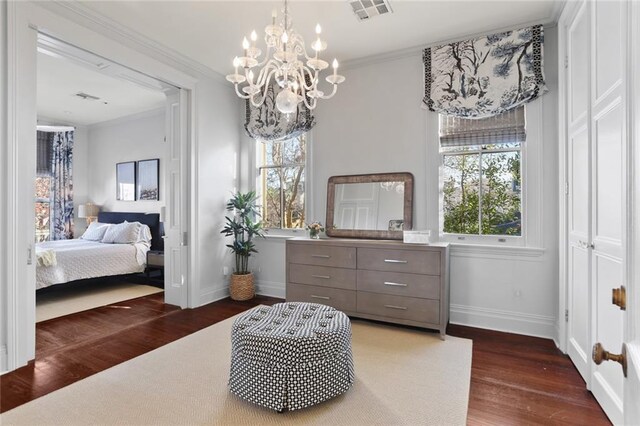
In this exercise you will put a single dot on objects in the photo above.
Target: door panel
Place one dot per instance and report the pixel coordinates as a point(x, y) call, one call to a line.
point(578, 329)
point(175, 225)
point(579, 190)
point(608, 46)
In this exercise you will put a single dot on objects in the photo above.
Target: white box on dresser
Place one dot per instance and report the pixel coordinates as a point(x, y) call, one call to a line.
point(382, 280)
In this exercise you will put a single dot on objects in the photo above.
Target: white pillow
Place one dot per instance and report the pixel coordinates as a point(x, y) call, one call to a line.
point(95, 231)
point(144, 234)
point(122, 233)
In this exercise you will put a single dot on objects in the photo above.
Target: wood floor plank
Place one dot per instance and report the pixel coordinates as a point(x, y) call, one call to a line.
point(515, 380)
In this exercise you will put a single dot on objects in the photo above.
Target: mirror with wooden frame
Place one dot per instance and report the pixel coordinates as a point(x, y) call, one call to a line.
point(376, 206)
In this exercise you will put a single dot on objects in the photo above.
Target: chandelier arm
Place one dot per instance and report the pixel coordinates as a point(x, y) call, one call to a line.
point(266, 56)
point(333, 92)
point(263, 76)
point(240, 95)
point(301, 77)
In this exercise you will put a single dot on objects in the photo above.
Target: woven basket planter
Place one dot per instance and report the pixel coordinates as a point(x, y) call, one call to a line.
point(241, 287)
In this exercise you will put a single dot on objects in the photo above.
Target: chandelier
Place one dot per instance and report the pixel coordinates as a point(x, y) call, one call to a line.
point(287, 63)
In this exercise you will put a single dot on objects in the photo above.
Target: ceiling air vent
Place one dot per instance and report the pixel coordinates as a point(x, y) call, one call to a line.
point(367, 9)
point(86, 96)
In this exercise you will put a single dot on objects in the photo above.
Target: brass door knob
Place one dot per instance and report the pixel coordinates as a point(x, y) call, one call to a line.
point(619, 297)
point(599, 354)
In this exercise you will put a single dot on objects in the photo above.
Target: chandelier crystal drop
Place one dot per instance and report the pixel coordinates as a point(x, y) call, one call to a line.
point(287, 63)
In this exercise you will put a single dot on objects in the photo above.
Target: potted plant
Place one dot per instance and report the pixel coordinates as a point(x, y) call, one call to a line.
point(243, 226)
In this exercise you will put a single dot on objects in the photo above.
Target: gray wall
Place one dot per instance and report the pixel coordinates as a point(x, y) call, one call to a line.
point(132, 138)
point(375, 124)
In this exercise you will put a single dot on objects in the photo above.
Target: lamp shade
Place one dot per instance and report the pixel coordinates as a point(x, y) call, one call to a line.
point(87, 210)
point(92, 210)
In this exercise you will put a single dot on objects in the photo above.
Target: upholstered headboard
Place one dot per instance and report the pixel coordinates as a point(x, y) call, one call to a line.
point(150, 219)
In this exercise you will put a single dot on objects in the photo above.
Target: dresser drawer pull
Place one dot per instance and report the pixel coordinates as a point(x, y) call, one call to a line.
point(323, 256)
point(395, 284)
point(313, 296)
point(324, 277)
point(395, 261)
point(402, 308)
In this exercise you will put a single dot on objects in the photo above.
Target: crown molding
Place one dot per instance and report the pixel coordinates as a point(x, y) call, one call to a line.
point(94, 20)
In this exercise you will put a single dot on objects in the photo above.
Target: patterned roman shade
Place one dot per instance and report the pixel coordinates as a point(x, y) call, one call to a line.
point(267, 123)
point(485, 76)
point(507, 127)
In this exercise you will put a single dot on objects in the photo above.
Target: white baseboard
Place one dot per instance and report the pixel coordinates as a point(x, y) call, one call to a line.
point(3, 359)
point(213, 295)
point(271, 289)
point(507, 321)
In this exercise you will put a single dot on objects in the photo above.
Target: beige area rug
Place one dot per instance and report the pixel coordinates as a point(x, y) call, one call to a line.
point(403, 377)
point(64, 301)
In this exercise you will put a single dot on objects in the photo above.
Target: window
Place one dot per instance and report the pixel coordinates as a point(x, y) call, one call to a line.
point(43, 208)
point(482, 175)
point(281, 173)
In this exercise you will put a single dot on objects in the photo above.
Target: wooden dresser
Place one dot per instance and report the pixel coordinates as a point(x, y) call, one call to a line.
point(380, 280)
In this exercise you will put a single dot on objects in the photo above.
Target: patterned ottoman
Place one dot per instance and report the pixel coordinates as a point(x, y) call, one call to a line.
point(291, 355)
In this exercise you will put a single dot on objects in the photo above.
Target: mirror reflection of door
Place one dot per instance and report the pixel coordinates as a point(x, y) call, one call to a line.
point(356, 206)
point(369, 206)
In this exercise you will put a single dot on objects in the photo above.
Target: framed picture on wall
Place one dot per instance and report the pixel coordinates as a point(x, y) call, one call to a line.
point(148, 187)
point(126, 181)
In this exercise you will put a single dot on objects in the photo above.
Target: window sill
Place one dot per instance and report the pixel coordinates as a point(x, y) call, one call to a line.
point(499, 252)
point(279, 234)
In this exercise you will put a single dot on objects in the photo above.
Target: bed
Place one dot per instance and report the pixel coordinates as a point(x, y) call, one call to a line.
point(65, 261)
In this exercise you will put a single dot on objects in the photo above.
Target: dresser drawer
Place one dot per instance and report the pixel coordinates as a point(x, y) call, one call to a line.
point(343, 300)
point(408, 261)
point(323, 276)
point(321, 255)
point(400, 284)
point(407, 308)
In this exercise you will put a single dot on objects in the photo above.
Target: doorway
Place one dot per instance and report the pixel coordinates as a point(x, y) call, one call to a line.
point(26, 22)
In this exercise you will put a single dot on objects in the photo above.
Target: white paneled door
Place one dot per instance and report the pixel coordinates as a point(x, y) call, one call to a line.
point(598, 185)
point(175, 221)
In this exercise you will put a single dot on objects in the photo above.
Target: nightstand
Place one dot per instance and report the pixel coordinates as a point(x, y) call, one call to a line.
point(155, 261)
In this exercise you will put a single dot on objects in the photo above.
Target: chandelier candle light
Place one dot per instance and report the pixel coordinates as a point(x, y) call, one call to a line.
point(284, 62)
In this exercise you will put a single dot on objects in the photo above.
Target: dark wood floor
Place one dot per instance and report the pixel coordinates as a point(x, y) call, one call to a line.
point(514, 379)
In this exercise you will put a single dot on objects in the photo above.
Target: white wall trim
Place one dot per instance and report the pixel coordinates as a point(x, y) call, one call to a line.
point(507, 321)
point(3, 359)
point(127, 118)
point(212, 296)
point(271, 289)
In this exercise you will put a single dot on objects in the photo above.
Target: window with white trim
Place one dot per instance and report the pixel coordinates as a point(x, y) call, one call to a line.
point(481, 177)
point(281, 182)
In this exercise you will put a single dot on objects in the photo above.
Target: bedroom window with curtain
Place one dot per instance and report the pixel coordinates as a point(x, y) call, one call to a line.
point(281, 182)
point(43, 186)
point(54, 185)
point(482, 175)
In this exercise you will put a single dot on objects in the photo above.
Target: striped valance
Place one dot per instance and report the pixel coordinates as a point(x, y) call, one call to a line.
point(507, 127)
point(485, 76)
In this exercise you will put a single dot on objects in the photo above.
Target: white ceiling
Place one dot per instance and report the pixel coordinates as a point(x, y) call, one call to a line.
point(59, 79)
point(211, 32)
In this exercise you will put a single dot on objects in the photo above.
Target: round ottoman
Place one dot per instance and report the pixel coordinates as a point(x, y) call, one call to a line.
point(291, 355)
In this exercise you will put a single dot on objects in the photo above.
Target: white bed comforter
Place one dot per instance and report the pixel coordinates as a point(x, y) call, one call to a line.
point(81, 259)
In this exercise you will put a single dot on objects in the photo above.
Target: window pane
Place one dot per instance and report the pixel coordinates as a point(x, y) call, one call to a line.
point(293, 188)
point(293, 151)
point(461, 193)
point(43, 187)
point(271, 201)
point(42, 222)
point(501, 195)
